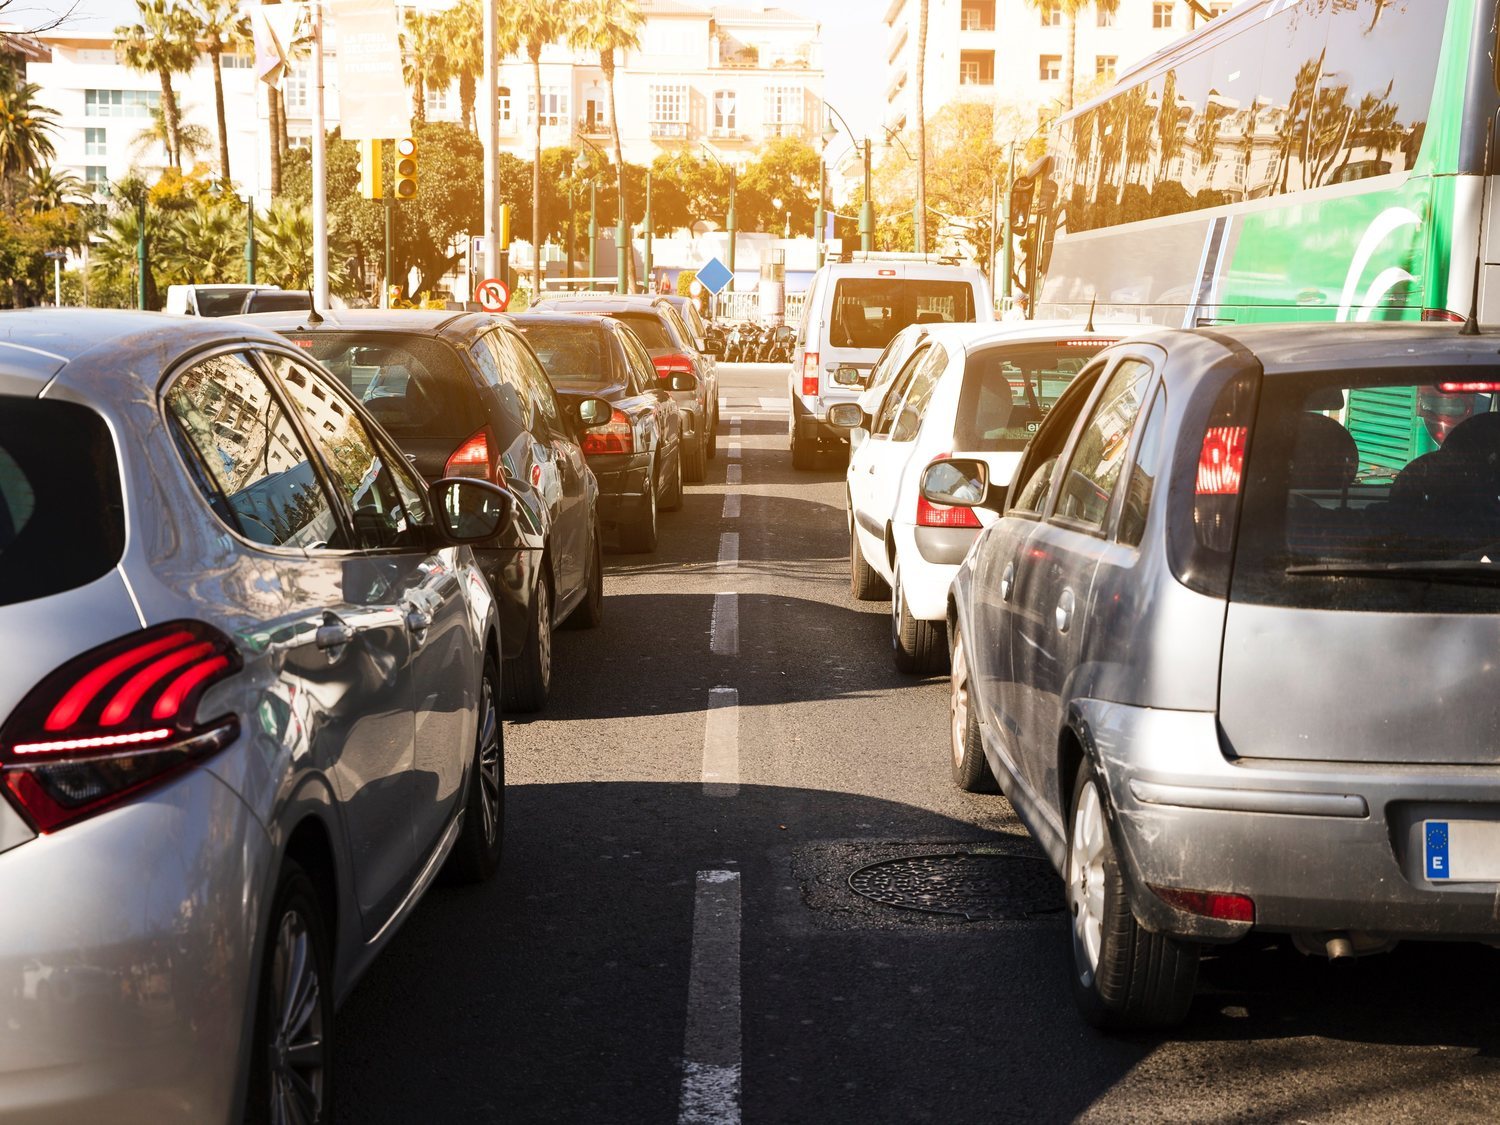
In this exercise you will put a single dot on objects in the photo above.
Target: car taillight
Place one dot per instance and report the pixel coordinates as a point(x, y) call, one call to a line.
point(114, 720)
point(615, 436)
point(673, 363)
point(940, 515)
point(471, 459)
point(1221, 464)
point(1209, 904)
point(810, 376)
point(1443, 316)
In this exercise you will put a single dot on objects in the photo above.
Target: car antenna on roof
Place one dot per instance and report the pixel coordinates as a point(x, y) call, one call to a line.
point(1089, 327)
point(1471, 325)
point(313, 316)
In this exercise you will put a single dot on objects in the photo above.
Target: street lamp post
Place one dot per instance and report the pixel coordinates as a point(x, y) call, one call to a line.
point(647, 256)
point(250, 240)
point(867, 210)
point(593, 232)
point(818, 219)
point(622, 245)
point(140, 253)
point(572, 231)
point(731, 223)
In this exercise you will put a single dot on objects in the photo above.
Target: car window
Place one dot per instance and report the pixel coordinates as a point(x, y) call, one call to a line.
point(256, 472)
point(573, 355)
point(1144, 474)
point(1009, 388)
point(891, 404)
point(808, 306)
point(1088, 483)
point(923, 385)
point(62, 519)
point(640, 362)
point(650, 329)
point(869, 311)
point(1033, 479)
point(680, 332)
point(360, 467)
point(543, 398)
point(498, 367)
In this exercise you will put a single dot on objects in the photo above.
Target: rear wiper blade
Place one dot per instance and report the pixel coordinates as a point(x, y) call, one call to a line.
point(1449, 570)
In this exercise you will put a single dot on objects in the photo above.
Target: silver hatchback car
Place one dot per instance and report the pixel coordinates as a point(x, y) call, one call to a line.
point(1230, 650)
point(247, 712)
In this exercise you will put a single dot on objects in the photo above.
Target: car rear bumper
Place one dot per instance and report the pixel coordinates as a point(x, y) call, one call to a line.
point(624, 486)
point(927, 572)
point(810, 418)
point(1319, 848)
point(126, 957)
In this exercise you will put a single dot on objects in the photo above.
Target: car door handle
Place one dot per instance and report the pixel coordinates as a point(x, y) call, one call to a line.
point(1007, 581)
point(334, 634)
point(1064, 613)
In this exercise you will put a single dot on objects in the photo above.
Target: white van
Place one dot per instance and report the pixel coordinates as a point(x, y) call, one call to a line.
point(853, 310)
point(234, 299)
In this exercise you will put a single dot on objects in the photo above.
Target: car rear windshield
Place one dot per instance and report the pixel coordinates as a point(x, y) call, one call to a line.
point(1371, 492)
point(869, 311)
point(573, 355)
point(62, 522)
point(649, 328)
point(1009, 388)
point(270, 301)
point(219, 302)
point(415, 386)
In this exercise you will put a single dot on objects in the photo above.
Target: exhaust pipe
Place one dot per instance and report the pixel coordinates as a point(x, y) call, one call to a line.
point(1339, 947)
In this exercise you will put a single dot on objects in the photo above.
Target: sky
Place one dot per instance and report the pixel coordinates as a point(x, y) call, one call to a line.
point(853, 36)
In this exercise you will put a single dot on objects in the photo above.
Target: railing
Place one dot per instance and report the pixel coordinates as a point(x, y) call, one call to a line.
point(670, 129)
point(746, 306)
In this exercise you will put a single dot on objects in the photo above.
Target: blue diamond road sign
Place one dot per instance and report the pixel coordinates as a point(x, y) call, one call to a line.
point(715, 275)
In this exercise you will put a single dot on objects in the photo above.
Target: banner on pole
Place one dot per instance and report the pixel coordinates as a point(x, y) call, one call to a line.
point(274, 30)
point(372, 92)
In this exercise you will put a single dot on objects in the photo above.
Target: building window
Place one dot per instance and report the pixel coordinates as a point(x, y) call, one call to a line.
point(294, 87)
point(120, 103)
point(554, 107)
point(976, 68)
point(236, 62)
point(1104, 66)
point(1105, 18)
point(595, 112)
point(436, 101)
point(94, 143)
point(669, 111)
point(977, 15)
point(1052, 15)
point(96, 176)
point(502, 108)
point(1051, 68)
point(1161, 14)
point(726, 112)
point(783, 110)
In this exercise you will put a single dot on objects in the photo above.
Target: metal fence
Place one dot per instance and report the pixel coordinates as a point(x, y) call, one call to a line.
point(746, 306)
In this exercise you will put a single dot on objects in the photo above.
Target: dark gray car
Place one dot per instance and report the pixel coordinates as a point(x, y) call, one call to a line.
point(1229, 651)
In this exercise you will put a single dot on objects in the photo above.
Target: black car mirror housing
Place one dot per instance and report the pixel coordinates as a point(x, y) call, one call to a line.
point(470, 511)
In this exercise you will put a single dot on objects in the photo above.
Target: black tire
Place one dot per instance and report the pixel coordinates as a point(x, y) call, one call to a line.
point(920, 648)
point(292, 1054)
point(1124, 976)
point(865, 583)
point(804, 453)
point(589, 613)
point(712, 433)
point(528, 677)
point(639, 536)
point(693, 467)
point(476, 855)
point(673, 502)
point(971, 772)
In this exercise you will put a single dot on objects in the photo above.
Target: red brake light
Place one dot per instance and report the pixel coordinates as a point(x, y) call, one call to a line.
point(673, 363)
point(940, 515)
point(1443, 316)
point(117, 718)
point(471, 459)
point(1479, 388)
point(615, 436)
point(1221, 465)
point(1208, 904)
point(810, 377)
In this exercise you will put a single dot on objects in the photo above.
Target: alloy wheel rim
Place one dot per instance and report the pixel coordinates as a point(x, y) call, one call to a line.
point(489, 764)
point(896, 608)
point(544, 631)
point(298, 1048)
point(1086, 882)
point(958, 704)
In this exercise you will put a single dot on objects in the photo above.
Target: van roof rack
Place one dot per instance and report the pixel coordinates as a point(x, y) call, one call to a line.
point(900, 256)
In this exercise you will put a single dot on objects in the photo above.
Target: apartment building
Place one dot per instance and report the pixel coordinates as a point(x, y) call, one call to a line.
point(1013, 52)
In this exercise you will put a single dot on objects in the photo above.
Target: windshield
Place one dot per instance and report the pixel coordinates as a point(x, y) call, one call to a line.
point(1373, 493)
point(1009, 388)
point(869, 311)
point(649, 328)
point(572, 355)
point(219, 302)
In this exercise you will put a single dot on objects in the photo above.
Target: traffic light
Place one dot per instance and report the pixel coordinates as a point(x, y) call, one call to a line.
point(405, 186)
point(504, 226)
point(369, 169)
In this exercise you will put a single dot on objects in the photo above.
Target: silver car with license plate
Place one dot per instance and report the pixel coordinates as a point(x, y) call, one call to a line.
point(247, 713)
point(1229, 650)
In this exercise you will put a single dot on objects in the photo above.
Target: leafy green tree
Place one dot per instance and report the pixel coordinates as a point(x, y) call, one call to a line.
point(284, 240)
point(192, 140)
point(25, 133)
point(219, 24)
point(921, 208)
point(686, 190)
point(784, 169)
point(48, 189)
point(534, 24)
point(204, 244)
point(112, 258)
point(161, 42)
point(424, 57)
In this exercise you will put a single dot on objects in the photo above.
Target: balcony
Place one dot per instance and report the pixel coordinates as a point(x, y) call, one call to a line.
point(787, 129)
point(592, 127)
point(669, 130)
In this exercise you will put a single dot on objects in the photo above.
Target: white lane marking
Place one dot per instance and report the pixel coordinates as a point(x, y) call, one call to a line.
point(724, 401)
point(721, 744)
point(729, 550)
point(734, 451)
point(724, 630)
point(711, 1077)
point(732, 475)
point(775, 405)
point(731, 505)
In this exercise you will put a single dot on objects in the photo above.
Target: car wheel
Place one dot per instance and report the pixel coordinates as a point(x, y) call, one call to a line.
point(590, 612)
point(638, 537)
point(1124, 976)
point(865, 583)
point(712, 450)
point(673, 502)
point(971, 772)
point(477, 852)
point(292, 1053)
point(804, 452)
point(528, 677)
point(693, 468)
point(919, 647)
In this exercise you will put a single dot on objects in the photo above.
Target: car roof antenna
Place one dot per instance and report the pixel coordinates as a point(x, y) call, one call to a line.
point(313, 315)
point(1089, 327)
point(1471, 326)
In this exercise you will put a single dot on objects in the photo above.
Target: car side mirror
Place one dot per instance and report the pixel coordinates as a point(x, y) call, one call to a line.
point(846, 415)
point(846, 376)
point(594, 411)
point(681, 382)
point(700, 343)
point(470, 510)
point(959, 482)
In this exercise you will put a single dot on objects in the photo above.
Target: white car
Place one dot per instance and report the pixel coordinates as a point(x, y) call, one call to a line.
point(969, 390)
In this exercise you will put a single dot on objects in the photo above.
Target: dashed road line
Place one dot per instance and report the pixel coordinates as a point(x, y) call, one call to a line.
point(729, 550)
point(721, 744)
point(734, 451)
point(733, 474)
point(711, 1068)
point(731, 505)
point(724, 630)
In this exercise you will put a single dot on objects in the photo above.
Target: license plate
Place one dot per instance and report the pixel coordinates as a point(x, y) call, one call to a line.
point(1462, 851)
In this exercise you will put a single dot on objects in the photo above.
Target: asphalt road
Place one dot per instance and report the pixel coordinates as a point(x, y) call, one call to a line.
point(673, 937)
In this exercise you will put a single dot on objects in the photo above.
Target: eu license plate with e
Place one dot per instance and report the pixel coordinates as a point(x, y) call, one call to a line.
point(1461, 851)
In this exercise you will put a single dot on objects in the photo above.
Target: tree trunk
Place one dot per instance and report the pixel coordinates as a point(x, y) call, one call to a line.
point(466, 95)
point(213, 55)
point(921, 215)
point(607, 62)
point(535, 51)
point(1068, 62)
point(169, 120)
point(419, 98)
point(283, 139)
point(273, 120)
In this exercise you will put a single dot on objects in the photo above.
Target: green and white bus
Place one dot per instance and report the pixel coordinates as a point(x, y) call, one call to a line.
point(1291, 160)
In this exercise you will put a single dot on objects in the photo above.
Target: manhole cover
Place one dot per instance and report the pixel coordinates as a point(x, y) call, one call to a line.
point(967, 884)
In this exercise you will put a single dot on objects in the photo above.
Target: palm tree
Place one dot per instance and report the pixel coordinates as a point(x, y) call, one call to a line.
point(534, 24)
point(284, 240)
point(204, 244)
point(112, 259)
point(162, 42)
point(463, 33)
point(1070, 11)
point(25, 143)
point(606, 26)
point(47, 189)
point(922, 128)
point(192, 139)
point(220, 25)
point(424, 58)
